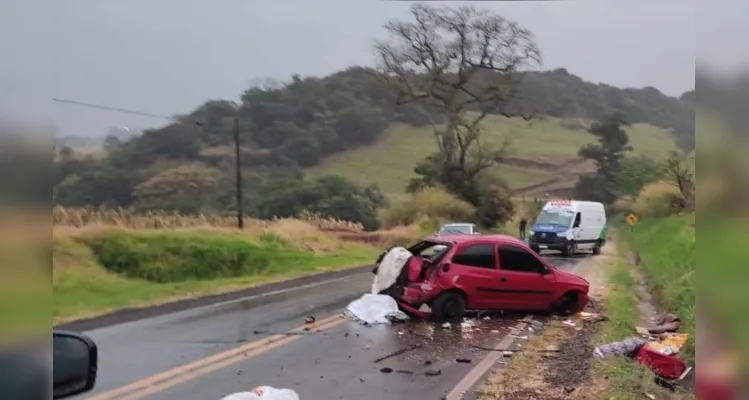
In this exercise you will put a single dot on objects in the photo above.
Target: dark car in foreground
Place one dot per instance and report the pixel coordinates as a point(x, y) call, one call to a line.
point(452, 274)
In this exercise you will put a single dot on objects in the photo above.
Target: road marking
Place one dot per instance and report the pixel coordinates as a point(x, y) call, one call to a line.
point(475, 374)
point(184, 373)
point(194, 310)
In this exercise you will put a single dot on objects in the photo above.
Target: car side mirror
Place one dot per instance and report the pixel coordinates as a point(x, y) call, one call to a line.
point(74, 360)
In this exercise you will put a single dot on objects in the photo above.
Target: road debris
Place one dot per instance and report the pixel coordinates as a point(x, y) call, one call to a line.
point(446, 325)
point(569, 322)
point(624, 347)
point(309, 320)
point(666, 323)
point(432, 372)
point(264, 393)
point(397, 353)
point(386, 370)
point(463, 360)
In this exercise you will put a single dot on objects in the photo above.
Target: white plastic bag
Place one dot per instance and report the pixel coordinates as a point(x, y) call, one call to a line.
point(375, 309)
point(264, 393)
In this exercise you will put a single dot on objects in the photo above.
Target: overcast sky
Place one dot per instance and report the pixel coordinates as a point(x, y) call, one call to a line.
point(168, 56)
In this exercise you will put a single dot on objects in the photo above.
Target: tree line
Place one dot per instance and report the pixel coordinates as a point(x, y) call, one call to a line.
point(448, 68)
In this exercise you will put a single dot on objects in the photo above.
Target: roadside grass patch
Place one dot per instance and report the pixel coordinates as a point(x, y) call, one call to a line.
point(623, 378)
point(101, 270)
point(666, 249)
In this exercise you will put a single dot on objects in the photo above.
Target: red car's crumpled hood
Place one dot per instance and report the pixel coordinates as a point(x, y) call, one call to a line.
point(570, 278)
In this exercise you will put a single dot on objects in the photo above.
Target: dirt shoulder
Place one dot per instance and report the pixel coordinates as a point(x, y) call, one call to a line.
point(557, 362)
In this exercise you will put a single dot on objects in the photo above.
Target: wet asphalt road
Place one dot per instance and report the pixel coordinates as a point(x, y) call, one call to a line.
point(336, 363)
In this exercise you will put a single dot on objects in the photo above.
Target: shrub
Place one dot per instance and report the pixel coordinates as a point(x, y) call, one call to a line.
point(174, 257)
point(657, 200)
point(429, 203)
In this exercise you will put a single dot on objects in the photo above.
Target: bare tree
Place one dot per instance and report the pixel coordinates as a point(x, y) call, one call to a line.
point(458, 60)
point(678, 172)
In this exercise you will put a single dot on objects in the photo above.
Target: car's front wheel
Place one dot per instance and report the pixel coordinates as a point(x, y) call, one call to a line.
point(569, 249)
point(449, 306)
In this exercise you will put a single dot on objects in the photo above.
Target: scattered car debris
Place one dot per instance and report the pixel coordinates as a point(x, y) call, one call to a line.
point(446, 325)
point(399, 352)
point(309, 320)
point(264, 393)
point(666, 323)
point(432, 372)
point(569, 322)
point(386, 370)
point(621, 348)
point(656, 348)
point(507, 353)
point(463, 360)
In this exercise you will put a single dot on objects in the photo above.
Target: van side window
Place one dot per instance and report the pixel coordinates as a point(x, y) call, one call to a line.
point(513, 258)
point(477, 255)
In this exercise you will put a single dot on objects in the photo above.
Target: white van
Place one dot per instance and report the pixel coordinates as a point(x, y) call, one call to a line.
point(569, 226)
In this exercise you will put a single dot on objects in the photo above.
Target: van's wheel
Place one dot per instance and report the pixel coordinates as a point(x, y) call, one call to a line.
point(597, 248)
point(564, 305)
point(569, 249)
point(448, 306)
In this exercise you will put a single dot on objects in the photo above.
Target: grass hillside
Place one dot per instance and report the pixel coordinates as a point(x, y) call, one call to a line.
point(543, 158)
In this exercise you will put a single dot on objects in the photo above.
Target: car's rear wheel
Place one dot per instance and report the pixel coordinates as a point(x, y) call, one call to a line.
point(564, 305)
point(449, 306)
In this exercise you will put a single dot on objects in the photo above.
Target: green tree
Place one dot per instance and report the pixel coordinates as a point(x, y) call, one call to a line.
point(607, 154)
point(635, 172)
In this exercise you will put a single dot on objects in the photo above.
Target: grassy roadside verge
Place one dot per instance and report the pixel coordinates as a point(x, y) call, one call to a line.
point(667, 256)
point(625, 379)
point(101, 270)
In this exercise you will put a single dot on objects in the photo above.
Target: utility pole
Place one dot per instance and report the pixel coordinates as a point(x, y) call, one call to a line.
point(240, 212)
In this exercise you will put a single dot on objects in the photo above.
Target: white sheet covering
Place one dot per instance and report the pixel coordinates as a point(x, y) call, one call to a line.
point(264, 393)
point(375, 309)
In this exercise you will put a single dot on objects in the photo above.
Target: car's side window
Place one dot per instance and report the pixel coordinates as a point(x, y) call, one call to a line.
point(477, 255)
point(513, 258)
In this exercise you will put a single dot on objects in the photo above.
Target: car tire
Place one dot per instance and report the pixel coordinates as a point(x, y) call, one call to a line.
point(569, 249)
point(597, 248)
point(448, 306)
point(564, 305)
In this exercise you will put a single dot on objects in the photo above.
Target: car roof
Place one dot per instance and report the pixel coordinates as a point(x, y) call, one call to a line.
point(459, 224)
point(459, 239)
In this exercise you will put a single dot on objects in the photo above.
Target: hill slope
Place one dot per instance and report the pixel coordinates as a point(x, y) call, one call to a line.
point(544, 154)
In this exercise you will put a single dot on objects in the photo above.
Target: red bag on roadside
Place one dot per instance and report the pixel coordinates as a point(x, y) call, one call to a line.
point(663, 365)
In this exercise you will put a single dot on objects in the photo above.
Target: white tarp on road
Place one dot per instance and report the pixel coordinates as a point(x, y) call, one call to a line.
point(375, 309)
point(264, 393)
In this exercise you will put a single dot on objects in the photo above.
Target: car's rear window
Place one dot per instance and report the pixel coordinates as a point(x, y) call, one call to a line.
point(456, 230)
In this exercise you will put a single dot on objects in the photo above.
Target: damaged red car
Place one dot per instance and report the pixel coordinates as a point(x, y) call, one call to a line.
point(452, 274)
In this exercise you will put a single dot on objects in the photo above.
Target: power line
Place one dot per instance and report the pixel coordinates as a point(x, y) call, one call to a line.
point(116, 109)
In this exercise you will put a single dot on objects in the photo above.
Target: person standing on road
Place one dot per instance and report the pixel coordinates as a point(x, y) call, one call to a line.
point(523, 225)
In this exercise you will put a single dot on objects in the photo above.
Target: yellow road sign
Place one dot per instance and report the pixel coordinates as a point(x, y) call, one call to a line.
point(631, 219)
